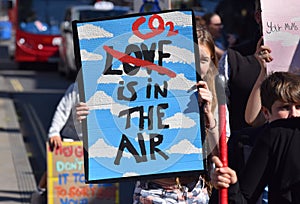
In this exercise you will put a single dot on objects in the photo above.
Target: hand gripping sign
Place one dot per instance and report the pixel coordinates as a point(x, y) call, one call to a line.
point(136, 75)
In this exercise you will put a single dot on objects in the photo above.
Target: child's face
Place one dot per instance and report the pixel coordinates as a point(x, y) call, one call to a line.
point(282, 110)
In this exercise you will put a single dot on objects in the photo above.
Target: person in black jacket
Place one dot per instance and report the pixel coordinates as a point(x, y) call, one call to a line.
point(280, 98)
point(241, 70)
point(274, 161)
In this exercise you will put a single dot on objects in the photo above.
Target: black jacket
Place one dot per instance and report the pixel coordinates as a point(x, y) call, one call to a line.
point(240, 145)
point(274, 161)
point(244, 71)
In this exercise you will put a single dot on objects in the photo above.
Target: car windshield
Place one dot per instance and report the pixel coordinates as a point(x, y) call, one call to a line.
point(91, 14)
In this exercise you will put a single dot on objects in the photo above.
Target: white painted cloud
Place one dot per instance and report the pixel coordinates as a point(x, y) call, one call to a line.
point(102, 149)
point(287, 39)
point(179, 120)
point(109, 79)
point(114, 79)
point(178, 55)
point(100, 98)
point(89, 31)
point(101, 101)
point(184, 147)
point(178, 18)
point(135, 39)
point(145, 136)
point(180, 83)
point(88, 56)
point(129, 174)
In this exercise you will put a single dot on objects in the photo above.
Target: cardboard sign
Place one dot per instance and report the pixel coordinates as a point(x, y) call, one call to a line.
point(66, 182)
point(139, 75)
point(281, 30)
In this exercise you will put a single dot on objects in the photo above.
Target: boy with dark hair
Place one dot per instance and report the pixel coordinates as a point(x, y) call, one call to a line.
point(280, 99)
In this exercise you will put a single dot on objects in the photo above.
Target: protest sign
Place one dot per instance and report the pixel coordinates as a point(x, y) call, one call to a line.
point(66, 181)
point(281, 31)
point(138, 79)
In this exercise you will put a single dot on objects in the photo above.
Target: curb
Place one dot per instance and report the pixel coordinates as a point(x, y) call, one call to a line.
point(17, 181)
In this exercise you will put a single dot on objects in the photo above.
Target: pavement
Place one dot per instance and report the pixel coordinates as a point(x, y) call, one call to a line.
point(17, 180)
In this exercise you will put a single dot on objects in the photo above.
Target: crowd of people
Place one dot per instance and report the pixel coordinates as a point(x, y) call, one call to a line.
point(263, 135)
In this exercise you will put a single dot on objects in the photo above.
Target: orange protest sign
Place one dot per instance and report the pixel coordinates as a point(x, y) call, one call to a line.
point(66, 179)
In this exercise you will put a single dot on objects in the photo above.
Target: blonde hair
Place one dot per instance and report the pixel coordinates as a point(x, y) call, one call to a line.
point(205, 39)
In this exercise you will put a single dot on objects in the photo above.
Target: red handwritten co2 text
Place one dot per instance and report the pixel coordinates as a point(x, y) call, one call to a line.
point(154, 30)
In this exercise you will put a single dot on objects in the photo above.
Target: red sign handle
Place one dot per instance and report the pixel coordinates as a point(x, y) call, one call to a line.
point(223, 193)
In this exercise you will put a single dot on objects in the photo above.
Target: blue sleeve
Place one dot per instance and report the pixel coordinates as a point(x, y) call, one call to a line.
point(224, 68)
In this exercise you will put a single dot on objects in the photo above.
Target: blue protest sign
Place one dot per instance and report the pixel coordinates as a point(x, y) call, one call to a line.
point(139, 74)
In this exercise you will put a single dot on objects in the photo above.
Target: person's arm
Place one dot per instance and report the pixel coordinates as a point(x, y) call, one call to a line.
point(223, 66)
point(205, 99)
point(253, 114)
point(224, 69)
point(61, 115)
